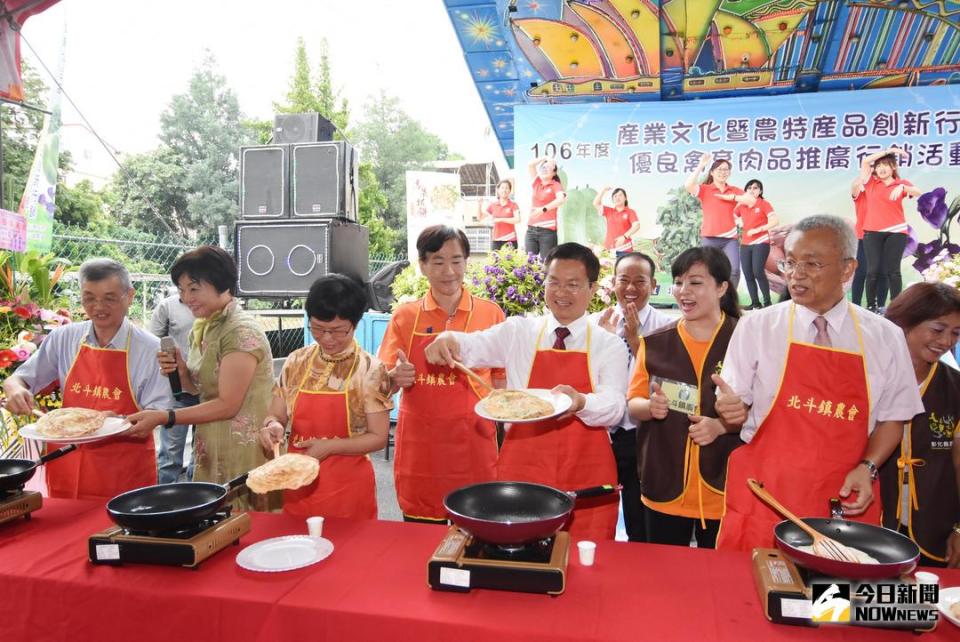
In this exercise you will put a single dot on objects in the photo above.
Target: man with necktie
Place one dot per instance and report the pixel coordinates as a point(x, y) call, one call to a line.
point(821, 387)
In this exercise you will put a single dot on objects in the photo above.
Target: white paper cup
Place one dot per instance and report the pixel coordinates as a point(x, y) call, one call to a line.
point(923, 577)
point(588, 551)
point(315, 526)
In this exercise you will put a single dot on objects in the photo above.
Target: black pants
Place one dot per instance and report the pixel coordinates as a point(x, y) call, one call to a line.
point(860, 278)
point(753, 258)
point(884, 252)
point(540, 240)
point(624, 444)
point(499, 244)
point(670, 529)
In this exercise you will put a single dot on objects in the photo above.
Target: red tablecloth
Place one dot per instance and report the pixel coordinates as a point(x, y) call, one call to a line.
point(374, 587)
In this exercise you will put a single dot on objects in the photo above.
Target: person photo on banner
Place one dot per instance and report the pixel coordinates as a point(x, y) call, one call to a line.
point(682, 446)
point(336, 398)
point(441, 442)
point(565, 352)
point(548, 196)
point(757, 219)
point(504, 214)
point(920, 483)
point(718, 199)
point(885, 229)
point(106, 363)
point(822, 389)
point(622, 222)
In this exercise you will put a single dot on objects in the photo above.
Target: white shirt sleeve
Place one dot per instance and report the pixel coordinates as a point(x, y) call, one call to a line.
point(152, 387)
point(608, 359)
point(898, 398)
point(489, 348)
point(160, 320)
point(740, 361)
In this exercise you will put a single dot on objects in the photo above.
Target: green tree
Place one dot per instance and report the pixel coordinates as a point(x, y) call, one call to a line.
point(680, 221)
point(395, 142)
point(80, 205)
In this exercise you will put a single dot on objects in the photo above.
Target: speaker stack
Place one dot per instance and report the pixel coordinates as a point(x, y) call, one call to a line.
point(298, 210)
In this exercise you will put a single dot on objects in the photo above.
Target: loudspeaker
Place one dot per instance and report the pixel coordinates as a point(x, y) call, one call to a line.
point(310, 127)
point(324, 180)
point(283, 259)
point(264, 181)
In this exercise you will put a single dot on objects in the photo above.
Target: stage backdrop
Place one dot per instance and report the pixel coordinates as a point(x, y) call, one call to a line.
point(805, 148)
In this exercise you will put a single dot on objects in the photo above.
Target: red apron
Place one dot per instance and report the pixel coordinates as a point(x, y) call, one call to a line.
point(566, 455)
point(99, 379)
point(345, 486)
point(815, 433)
point(441, 443)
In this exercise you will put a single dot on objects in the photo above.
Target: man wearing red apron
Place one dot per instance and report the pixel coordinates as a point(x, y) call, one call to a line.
point(822, 388)
point(565, 352)
point(441, 443)
point(107, 364)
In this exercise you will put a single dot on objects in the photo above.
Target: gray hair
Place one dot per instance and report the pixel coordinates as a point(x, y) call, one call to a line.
point(101, 268)
point(846, 237)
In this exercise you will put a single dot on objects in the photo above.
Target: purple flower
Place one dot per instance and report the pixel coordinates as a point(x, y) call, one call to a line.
point(488, 269)
point(476, 281)
point(511, 291)
point(517, 272)
point(926, 253)
point(933, 207)
point(912, 241)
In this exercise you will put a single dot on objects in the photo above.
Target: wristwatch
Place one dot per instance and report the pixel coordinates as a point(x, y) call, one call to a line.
point(872, 467)
point(171, 419)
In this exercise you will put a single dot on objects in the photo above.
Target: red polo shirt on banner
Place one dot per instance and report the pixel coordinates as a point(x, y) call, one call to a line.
point(503, 231)
point(883, 215)
point(543, 194)
point(618, 222)
point(717, 213)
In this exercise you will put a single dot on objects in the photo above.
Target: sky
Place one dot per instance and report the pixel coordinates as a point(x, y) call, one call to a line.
point(126, 59)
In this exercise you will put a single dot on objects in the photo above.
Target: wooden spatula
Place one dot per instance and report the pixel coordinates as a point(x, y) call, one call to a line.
point(473, 375)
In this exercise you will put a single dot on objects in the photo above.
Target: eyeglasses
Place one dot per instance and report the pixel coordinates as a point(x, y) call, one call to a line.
point(789, 266)
point(107, 302)
point(572, 287)
point(333, 334)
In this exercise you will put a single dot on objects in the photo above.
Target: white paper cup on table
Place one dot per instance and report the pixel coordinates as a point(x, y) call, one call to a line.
point(923, 577)
point(588, 551)
point(315, 526)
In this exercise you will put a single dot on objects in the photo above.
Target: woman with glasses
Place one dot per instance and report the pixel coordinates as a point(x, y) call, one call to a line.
point(884, 227)
point(229, 366)
point(622, 222)
point(718, 199)
point(758, 219)
point(682, 446)
point(920, 483)
point(336, 398)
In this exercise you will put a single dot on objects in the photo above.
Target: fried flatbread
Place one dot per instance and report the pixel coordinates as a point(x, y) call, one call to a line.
point(515, 405)
point(862, 557)
point(70, 423)
point(286, 472)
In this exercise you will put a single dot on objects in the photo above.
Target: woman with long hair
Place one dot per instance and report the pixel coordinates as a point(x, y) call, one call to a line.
point(505, 215)
point(758, 219)
point(682, 446)
point(548, 196)
point(622, 222)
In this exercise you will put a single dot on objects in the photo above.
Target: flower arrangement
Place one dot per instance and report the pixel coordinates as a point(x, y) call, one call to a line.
point(933, 208)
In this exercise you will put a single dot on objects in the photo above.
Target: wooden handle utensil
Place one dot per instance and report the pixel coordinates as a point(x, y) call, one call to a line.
point(473, 375)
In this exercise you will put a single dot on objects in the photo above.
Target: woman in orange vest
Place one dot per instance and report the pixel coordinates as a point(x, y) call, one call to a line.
point(441, 443)
point(718, 200)
point(682, 446)
point(336, 398)
point(919, 483)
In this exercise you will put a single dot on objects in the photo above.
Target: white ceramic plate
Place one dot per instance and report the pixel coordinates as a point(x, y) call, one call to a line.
point(561, 403)
point(949, 596)
point(111, 426)
point(284, 553)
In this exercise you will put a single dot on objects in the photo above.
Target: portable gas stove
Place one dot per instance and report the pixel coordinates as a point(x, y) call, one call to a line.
point(18, 503)
point(462, 562)
point(187, 547)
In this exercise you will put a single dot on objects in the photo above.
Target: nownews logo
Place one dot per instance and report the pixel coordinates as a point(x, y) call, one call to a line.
point(874, 603)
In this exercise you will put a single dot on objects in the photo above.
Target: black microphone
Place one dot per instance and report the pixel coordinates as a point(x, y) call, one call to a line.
point(168, 345)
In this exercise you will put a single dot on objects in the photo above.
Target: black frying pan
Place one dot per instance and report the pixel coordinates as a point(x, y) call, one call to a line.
point(514, 512)
point(14, 473)
point(896, 553)
point(168, 507)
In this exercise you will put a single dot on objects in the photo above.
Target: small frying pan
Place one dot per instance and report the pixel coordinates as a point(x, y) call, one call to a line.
point(168, 507)
point(14, 473)
point(896, 553)
point(512, 513)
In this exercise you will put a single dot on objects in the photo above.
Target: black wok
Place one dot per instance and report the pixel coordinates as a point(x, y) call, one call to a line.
point(168, 507)
point(511, 513)
point(14, 473)
point(896, 553)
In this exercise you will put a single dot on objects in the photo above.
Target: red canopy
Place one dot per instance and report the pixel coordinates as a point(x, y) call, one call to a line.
point(13, 13)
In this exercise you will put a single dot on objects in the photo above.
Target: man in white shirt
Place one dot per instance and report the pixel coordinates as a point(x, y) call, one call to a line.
point(631, 318)
point(562, 351)
point(822, 388)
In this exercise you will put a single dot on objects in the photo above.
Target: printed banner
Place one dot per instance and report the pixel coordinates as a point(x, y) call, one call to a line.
point(433, 198)
point(13, 231)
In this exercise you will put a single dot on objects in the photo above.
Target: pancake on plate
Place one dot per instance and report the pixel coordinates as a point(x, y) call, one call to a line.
point(70, 423)
point(515, 405)
point(286, 472)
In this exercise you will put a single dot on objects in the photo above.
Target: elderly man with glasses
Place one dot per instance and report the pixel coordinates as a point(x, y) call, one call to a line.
point(105, 363)
point(822, 389)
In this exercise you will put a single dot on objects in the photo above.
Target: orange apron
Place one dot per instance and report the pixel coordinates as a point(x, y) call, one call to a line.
point(815, 433)
point(99, 379)
point(441, 443)
point(566, 455)
point(345, 486)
